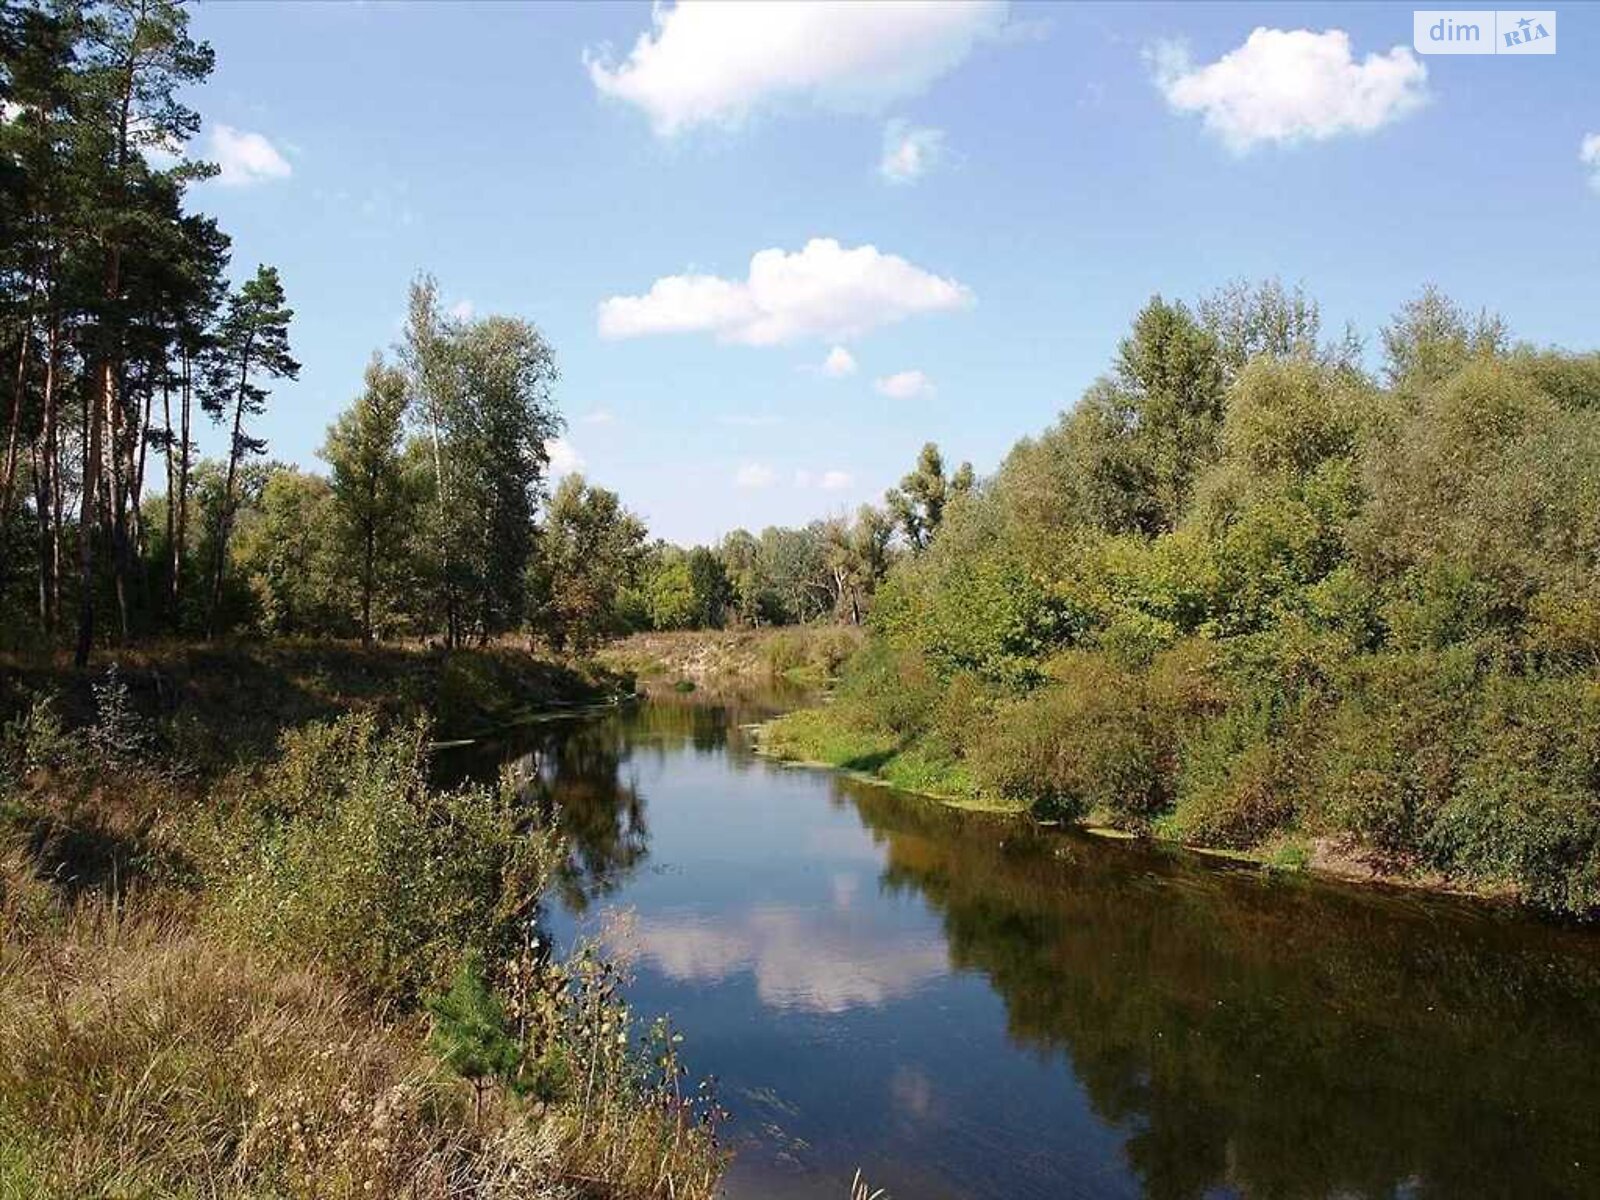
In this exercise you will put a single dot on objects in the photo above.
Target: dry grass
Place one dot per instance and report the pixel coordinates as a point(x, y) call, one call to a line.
point(139, 1058)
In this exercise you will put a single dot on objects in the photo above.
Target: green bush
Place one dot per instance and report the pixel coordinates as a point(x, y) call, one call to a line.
point(1526, 809)
point(1088, 743)
point(342, 852)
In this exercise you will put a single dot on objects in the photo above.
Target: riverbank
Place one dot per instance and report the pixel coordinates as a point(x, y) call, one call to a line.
point(803, 655)
point(245, 941)
point(826, 738)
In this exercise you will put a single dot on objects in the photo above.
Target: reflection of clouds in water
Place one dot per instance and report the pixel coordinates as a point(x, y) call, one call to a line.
point(844, 886)
point(810, 960)
point(910, 1092)
point(840, 842)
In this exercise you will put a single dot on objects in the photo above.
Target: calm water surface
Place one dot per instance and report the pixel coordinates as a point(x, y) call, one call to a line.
point(966, 1007)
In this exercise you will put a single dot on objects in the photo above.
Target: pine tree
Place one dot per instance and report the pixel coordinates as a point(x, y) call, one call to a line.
point(253, 340)
point(470, 1033)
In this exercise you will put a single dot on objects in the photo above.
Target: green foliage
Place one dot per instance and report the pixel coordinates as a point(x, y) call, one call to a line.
point(590, 556)
point(470, 1032)
point(342, 851)
point(1243, 596)
point(670, 595)
point(373, 506)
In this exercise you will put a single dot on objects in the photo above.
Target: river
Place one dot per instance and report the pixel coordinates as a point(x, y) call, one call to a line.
point(962, 1005)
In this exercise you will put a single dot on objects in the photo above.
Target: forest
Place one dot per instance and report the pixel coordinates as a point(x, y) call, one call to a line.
point(125, 333)
point(1248, 594)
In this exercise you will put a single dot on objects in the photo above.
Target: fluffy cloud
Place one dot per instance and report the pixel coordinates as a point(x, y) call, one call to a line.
point(1589, 156)
point(822, 291)
point(564, 457)
point(244, 158)
point(715, 62)
point(828, 481)
point(1290, 86)
point(462, 310)
point(839, 363)
point(905, 385)
point(909, 153)
point(802, 960)
point(754, 475)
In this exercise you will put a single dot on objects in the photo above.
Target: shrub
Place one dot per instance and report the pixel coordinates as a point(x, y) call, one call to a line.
point(1235, 785)
point(341, 851)
point(1087, 743)
point(1526, 808)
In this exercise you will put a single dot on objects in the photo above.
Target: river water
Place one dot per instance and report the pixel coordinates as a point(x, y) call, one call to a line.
point(964, 1006)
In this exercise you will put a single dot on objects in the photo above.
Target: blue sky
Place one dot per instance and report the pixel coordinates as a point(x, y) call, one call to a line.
point(1026, 176)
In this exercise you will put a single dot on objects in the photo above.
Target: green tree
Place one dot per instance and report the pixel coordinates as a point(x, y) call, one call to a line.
point(136, 55)
point(1432, 336)
point(252, 342)
point(670, 593)
point(590, 551)
point(917, 505)
point(481, 397)
point(287, 549)
point(373, 503)
point(470, 1032)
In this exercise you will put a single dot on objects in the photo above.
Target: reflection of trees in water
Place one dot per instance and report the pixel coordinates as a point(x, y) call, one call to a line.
point(578, 769)
point(574, 770)
point(1279, 1037)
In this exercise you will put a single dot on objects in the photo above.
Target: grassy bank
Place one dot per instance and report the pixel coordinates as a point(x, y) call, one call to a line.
point(304, 972)
point(234, 698)
point(805, 655)
point(1166, 753)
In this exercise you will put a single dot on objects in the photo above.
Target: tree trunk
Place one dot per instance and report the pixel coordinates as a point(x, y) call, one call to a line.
point(93, 447)
point(47, 488)
point(21, 381)
point(172, 477)
point(225, 520)
point(179, 547)
point(369, 568)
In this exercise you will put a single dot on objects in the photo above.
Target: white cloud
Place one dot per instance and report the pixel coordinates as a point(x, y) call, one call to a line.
point(1589, 156)
point(599, 416)
point(802, 960)
point(461, 310)
point(1290, 86)
point(822, 291)
point(564, 457)
point(244, 158)
point(828, 481)
point(750, 420)
point(754, 475)
point(905, 385)
point(910, 152)
point(716, 62)
point(839, 363)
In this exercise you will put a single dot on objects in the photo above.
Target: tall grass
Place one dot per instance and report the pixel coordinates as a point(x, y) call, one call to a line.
point(212, 987)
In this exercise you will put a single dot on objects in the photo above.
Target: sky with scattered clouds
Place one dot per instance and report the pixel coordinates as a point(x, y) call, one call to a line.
point(777, 248)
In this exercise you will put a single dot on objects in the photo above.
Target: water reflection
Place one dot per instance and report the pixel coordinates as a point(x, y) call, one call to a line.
point(800, 959)
point(969, 1007)
point(1275, 1038)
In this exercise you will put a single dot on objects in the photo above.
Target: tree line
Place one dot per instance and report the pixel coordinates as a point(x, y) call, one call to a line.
point(122, 332)
point(1249, 592)
point(117, 321)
